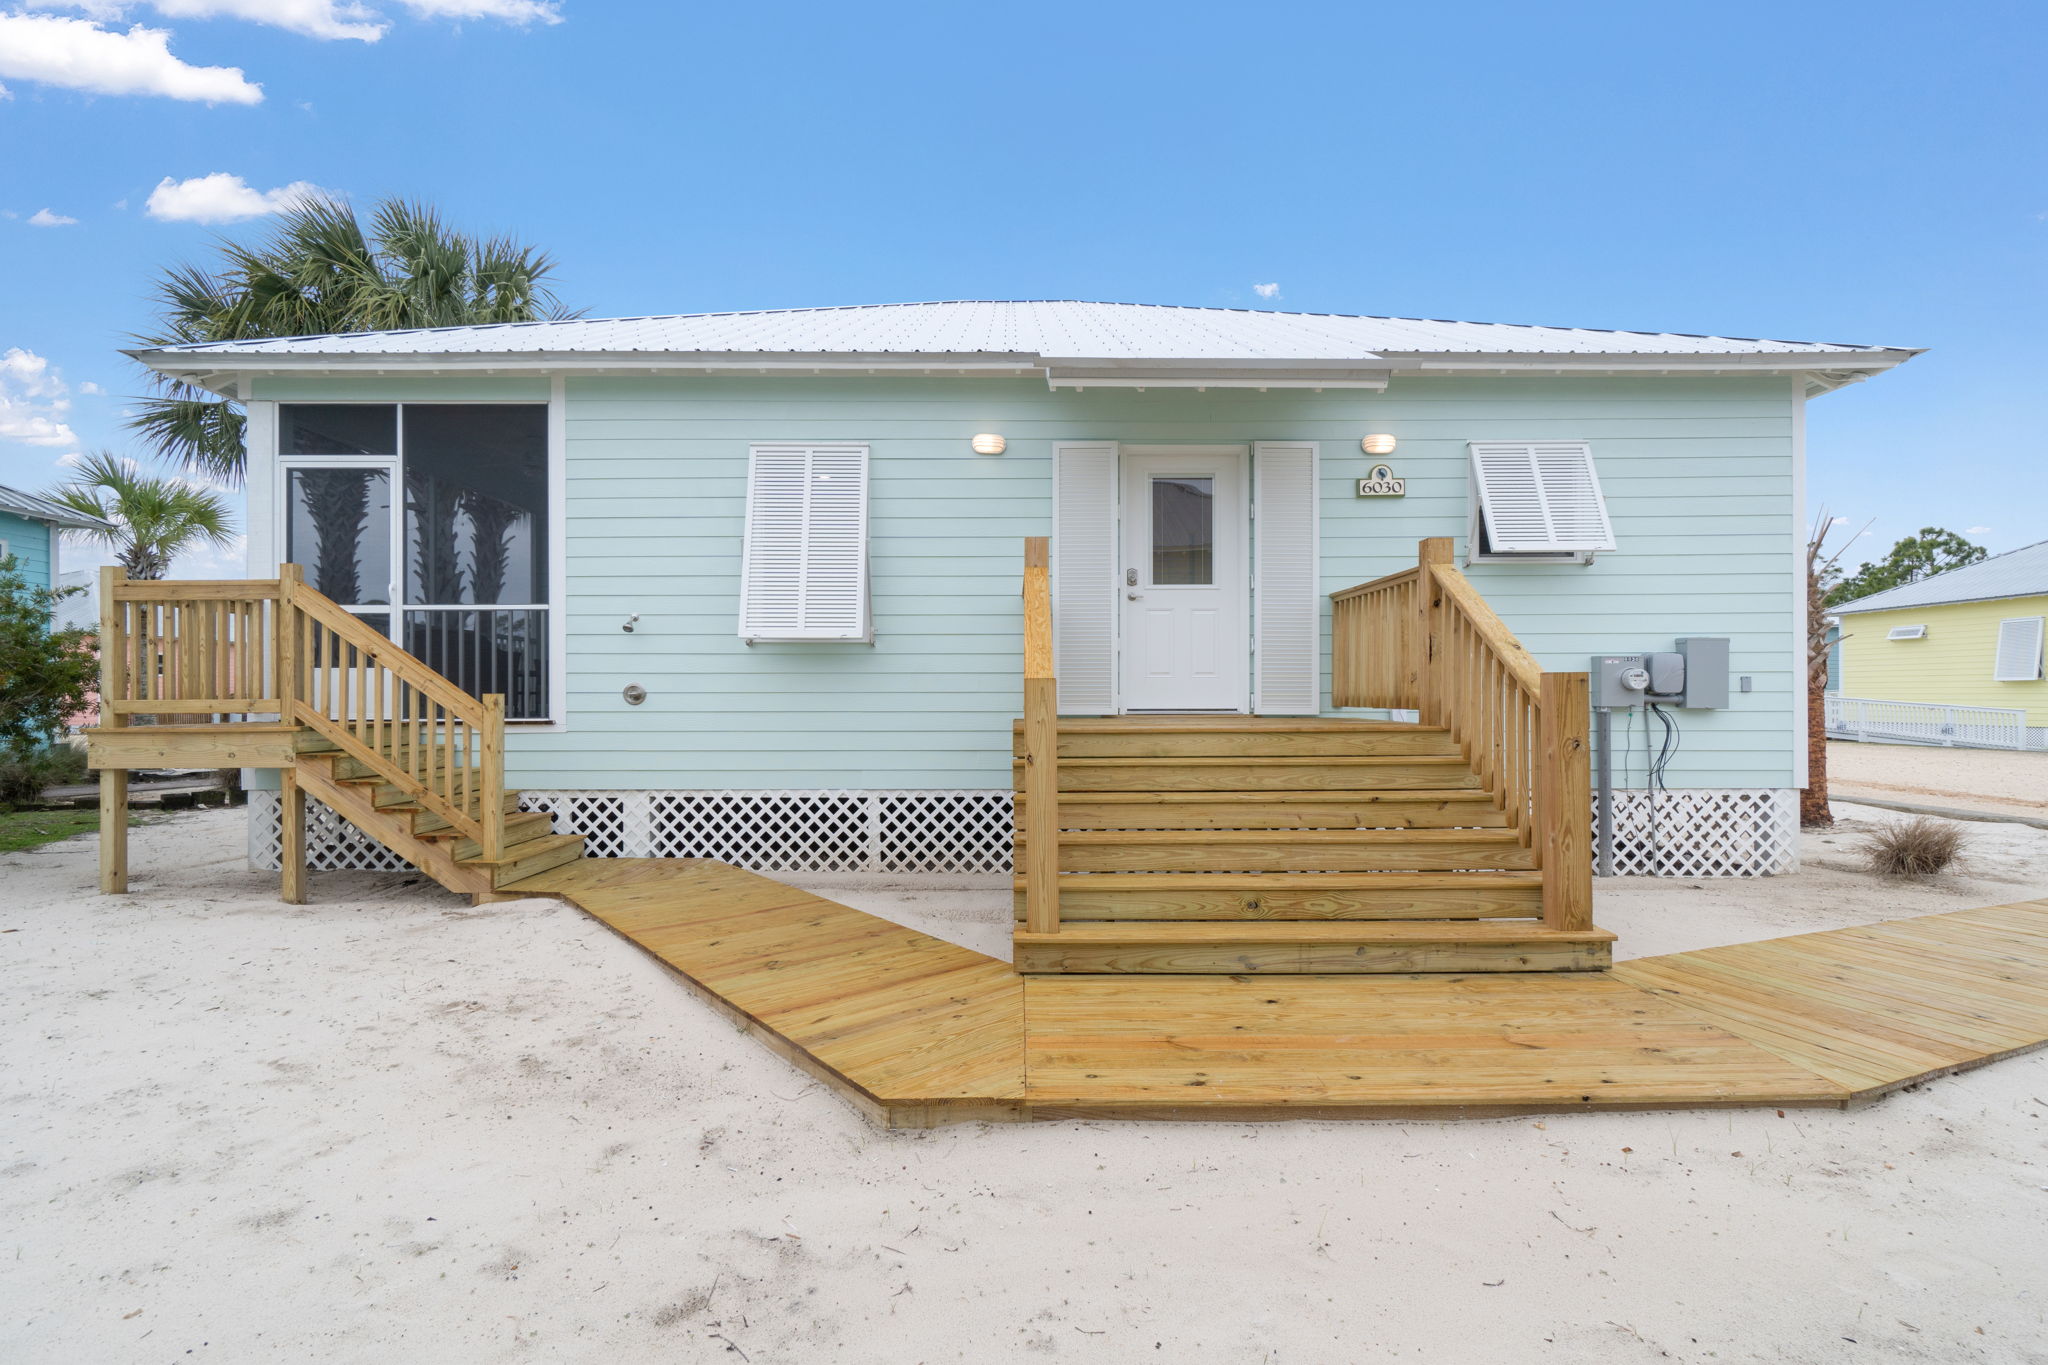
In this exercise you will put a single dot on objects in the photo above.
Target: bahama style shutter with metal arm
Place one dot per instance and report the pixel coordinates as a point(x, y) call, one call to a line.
point(1540, 497)
point(1084, 577)
point(2019, 650)
point(1287, 608)
point(804, 568)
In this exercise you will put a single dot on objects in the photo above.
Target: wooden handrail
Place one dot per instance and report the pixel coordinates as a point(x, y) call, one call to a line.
point(385, 708)
point(1425, 639)
point(1041, 746)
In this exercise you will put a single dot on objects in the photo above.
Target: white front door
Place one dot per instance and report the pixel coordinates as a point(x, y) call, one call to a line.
point(1186, 640)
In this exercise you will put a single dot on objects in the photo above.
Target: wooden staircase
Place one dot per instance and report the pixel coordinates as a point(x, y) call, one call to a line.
point(389, 744)
point(1241, 844)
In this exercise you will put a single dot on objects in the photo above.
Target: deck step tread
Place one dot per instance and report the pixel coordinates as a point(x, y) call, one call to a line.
point(525, 850)
point(1301, 838)
point(1205, 932)
point(1302, 881)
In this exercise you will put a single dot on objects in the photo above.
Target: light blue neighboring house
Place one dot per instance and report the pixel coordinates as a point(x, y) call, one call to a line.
point(749, 580)
point(31, 533)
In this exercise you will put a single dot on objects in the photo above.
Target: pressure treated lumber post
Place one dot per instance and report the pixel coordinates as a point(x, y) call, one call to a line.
point(492, 809)
point(284, 641)
point(1041, 869)
point(291, 828)
point(1564, 796)
point(1431, 552)
point(113, 781)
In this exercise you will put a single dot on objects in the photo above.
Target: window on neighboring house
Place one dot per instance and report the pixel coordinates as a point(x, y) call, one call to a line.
point(804, 569)
point(1536, 502)
point(2019, 650)
point(1906, 633)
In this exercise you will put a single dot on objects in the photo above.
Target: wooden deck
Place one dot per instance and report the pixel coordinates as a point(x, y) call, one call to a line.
point(916, 1031)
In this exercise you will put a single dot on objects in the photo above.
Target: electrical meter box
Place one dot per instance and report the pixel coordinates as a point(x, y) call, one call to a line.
point(1619, 679)
point(1706, 672)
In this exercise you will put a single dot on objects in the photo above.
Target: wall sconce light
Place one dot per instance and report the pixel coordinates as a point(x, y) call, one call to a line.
point(1378, 444)
point(989, 444)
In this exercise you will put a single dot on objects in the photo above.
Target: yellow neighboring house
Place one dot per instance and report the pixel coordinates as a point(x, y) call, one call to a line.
point(1969, 637)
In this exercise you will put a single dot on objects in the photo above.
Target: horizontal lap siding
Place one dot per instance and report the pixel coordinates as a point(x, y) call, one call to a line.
point(1698, 474)
point(28, 542)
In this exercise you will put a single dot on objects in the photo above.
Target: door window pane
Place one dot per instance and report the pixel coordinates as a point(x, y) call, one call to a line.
point(476, 504)
point(336, 429)
point(338, 529)
point(1183, 531)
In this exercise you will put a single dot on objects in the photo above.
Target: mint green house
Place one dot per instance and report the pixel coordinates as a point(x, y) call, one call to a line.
point(749, 581)
point(31, 534)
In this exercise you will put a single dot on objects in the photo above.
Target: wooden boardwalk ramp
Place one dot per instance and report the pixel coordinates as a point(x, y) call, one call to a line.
point(916, 1031)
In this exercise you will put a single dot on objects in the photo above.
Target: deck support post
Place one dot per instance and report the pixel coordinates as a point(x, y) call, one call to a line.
point(113, 687)
point(1430, 552)
point(1564, 797)
point(113, 831)
point(291, 827)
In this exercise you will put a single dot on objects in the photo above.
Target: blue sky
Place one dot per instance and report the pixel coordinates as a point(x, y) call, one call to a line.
point(1869, 172)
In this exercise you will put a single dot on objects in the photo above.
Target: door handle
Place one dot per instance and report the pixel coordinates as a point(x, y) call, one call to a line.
point(1133, 596)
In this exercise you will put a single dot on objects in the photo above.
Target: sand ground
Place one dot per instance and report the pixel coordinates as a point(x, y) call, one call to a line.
point(386, 1126)
point(1967, 779)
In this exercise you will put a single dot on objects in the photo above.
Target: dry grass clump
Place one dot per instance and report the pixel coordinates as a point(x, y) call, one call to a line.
point(1920, 847)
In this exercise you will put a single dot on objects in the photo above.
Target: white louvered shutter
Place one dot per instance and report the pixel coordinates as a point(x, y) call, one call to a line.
point(1540, 497)
point(804, 571)
point(1084, 577)
point(2019, 650)
point(1287, 625)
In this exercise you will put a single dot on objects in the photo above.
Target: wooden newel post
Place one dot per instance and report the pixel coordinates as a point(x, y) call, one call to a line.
point(1429, 553)
point(1041, 787)
point(285, 665)
point(113, 688)
point(492, 811)
point(1564, 802)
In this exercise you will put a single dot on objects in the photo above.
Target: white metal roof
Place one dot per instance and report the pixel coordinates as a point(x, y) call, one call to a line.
point(42, 509)
point(1028, 329)
point(2016, 573)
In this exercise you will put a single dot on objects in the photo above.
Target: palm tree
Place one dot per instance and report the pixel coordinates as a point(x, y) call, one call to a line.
point(321, 271)
point(150, 520)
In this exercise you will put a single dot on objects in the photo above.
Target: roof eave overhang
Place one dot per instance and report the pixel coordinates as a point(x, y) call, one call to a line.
point(226, 373)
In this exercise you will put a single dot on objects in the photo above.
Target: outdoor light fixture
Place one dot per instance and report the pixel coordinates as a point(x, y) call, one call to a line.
point(989, 444)
point(1379, 444)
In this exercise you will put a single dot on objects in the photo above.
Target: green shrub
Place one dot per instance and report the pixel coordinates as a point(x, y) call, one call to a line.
point(25, 772)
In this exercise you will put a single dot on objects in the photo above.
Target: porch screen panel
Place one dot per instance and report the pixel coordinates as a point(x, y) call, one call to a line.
point(1084, 576)
point(476, 548)
point(804, 569)
point(1287, 607)
point(1540, 497)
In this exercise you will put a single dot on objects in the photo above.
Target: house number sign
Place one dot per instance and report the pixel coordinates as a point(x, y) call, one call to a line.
point(1379, 482)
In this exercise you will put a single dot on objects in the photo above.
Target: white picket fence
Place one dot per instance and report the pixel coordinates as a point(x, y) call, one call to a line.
point(1912, 722)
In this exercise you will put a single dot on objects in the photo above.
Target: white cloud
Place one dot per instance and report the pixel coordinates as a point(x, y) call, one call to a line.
point(319, 18)
point(89, 387)
point(1978, 531)
point(33, 401)
point(78, 54)
point(45, 218)
point(314, 18)
point(1266, 291)
point(511, 11)
point(222, 198)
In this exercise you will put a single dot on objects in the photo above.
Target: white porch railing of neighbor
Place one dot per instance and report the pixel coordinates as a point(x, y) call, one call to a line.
point(1912, 722)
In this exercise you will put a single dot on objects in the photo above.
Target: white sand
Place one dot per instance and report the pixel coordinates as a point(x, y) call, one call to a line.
point(1968, 779)
point(386, 1127)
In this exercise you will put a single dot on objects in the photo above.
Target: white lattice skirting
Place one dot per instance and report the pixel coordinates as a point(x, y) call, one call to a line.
point(1694, 832)
point(1705, 832)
